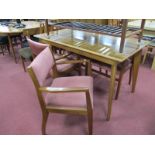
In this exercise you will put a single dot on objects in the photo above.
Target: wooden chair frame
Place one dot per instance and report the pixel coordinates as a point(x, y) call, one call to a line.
point(147, 53)
point(76, 62)
point(5, 45)
point(119, 79)
point(48, 109)
point(153, 64)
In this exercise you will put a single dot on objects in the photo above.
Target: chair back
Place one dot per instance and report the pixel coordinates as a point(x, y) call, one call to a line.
point(39, 70)
point(41, 66)
point(36, 47)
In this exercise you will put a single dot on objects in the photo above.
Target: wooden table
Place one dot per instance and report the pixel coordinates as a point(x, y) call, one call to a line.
point(10, 31)
point(99, 47)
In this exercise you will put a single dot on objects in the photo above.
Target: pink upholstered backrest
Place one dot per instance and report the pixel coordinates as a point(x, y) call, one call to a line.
point(42, 65)
point(36, 47)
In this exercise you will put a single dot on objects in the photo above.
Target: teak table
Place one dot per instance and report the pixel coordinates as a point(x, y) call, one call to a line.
point(102, 48)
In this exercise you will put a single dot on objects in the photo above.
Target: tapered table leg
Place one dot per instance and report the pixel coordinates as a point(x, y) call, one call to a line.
point(11, 46)
point(136, 63)
point(153, 64)
point(111, 90)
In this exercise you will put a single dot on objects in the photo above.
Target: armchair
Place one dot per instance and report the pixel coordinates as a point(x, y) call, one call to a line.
point(68, 95)
point(149, 52)
point(122, 68)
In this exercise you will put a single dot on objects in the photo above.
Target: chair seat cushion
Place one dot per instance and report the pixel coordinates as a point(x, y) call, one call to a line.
point(70, 99)
point(25, 52)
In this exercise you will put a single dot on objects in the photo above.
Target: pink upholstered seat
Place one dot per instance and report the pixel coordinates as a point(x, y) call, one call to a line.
point(70, 99)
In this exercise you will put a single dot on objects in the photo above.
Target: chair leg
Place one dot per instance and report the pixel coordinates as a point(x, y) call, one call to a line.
point(44, 121)
point(21, 42)
point(106, 72)
point(79, 69)
point(130, 75)
point(144, 58)
point(90, 122)
point(2, 49)
point(119, 85)
point(153, 64)
point(15, 40)
point(90, 73)
point(8, 48)
point(23, 64)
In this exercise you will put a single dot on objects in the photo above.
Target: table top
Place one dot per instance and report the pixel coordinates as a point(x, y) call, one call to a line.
point(11, 29)
point(95, 45)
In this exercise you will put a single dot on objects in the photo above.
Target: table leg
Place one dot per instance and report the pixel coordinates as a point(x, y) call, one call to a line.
point(111, 90)
point(136, 62)
point(11, 45)
point(153, 64)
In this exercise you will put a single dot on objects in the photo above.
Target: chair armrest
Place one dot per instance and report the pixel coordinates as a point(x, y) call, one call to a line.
point(70, 90)
point(63, 90)
point(63, 56)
